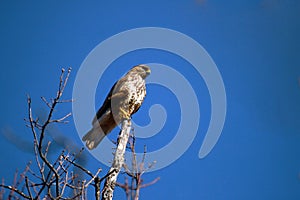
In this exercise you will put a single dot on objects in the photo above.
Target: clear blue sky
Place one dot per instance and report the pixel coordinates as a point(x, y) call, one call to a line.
point(255, 45)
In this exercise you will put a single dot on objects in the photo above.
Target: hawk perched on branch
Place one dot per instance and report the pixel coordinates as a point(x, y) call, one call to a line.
point(123, 100)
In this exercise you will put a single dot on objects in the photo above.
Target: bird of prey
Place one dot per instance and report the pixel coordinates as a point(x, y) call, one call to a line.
point(123, 100)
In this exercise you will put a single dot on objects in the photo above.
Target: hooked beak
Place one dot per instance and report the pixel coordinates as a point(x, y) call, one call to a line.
point(148, 71)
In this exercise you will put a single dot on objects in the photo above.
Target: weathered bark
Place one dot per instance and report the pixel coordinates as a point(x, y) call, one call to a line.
point(110, 183)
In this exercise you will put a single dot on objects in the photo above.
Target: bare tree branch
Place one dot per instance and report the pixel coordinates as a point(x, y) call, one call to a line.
point(61, 120)
point(135, 172)
point(11, 188)
point(118, 161)
point(28, 188)
point(58, 176)
point(79, 166)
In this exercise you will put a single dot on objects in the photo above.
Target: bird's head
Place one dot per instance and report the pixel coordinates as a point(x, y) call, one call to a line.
point(142, 70)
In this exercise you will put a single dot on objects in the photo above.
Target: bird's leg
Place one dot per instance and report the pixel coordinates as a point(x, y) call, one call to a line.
point(126, 115)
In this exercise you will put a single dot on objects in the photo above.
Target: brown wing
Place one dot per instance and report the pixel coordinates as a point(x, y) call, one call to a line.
point(106, 106)
point(114, 95)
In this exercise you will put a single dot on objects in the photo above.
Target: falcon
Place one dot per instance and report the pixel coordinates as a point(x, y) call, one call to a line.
point(124, 99)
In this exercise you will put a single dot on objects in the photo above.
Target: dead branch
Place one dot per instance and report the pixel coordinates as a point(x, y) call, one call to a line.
point(135, 172)
point(118, 161)
point(57, 175)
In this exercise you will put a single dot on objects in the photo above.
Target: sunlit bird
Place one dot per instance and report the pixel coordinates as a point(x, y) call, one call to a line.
point(124, 99)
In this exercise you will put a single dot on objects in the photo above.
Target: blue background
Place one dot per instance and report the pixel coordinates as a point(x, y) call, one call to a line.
point(255, 45)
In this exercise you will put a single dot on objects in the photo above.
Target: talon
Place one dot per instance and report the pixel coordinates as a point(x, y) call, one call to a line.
point(126, 115)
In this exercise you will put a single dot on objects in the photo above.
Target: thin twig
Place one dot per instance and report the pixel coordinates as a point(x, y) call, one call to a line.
point(62, 85)
point(61, 119)
point(150, 183)
point(79, 166)
point(15, 190)
point(92, 179)
point(31, 118)
point(27, 187)
point(66, 101)
point(46, 102)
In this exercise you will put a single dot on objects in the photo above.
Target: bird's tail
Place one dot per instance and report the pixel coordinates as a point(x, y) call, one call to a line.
point(93, 137)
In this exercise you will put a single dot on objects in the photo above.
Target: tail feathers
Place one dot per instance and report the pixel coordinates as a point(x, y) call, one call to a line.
point(93, 137)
